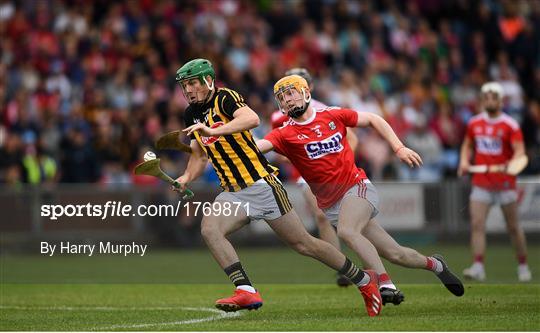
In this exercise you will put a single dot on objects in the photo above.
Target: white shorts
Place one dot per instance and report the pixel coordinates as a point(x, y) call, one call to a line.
point(365, 189)
point(503, 197)
point(266, 199)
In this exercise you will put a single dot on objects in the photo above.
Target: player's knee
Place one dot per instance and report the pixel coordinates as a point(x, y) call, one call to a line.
point(347, 234)
point(477, 225)
point(209, 231)
point(322, 221)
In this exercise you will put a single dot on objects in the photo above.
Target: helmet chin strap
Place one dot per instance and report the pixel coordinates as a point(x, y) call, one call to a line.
point(210, 89)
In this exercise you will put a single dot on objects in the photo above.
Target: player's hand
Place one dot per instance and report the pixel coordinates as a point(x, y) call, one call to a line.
point(463, 168)
point(183, 181)
point(201, 128)
point(409, 156)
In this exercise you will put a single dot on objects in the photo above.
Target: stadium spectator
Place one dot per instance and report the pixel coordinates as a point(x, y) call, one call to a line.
point(112, 58)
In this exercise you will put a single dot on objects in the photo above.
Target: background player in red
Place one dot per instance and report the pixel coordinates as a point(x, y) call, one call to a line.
point(495, 138)
point(313, 140)
point(326, 230)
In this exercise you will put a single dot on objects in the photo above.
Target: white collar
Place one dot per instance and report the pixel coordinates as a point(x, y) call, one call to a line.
point(307, 121)
point(490, 119)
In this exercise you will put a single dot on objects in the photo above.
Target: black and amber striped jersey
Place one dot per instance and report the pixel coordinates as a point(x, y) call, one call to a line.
point(235, 157)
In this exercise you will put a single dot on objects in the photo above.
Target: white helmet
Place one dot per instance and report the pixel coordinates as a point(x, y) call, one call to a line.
point(494, 87)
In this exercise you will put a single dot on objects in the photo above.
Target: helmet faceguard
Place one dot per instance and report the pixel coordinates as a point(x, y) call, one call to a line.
point(292, 95)
point(196, 69)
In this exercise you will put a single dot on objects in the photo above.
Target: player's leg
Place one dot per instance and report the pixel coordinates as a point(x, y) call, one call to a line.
point(480, 201)
point(363, 207)
point(214, 229)
point(354, 214)
point(517, 236)
point(326, 231)
point(291, 230)
point(391, 250)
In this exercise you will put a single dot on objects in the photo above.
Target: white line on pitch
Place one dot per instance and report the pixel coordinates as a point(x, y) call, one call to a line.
point(218, 314)
point(94, 308)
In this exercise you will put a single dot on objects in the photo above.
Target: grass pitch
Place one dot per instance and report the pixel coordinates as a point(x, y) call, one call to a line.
point(175, 291)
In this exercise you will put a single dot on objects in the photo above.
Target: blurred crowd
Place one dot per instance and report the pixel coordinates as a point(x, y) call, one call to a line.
point(87, 86)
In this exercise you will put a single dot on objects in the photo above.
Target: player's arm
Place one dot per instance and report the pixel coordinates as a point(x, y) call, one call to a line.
point(352, 139)
point(518, 148)
point(465, 155)
point(243, 119)
point(264, 145)
point(405, 154)
point(195, 167)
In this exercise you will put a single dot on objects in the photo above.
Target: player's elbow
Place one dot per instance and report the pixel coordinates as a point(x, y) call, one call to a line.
point(375, 119)
point(254, 120)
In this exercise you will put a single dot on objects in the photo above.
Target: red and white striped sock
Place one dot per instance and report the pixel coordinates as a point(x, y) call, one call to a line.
point(385, 281)
point(434, 265)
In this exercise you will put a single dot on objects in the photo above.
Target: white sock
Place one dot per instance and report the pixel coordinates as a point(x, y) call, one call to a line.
point(247, 288)
point(478, 266)
point(438, 267)
point(523, 266)
point(388, 285)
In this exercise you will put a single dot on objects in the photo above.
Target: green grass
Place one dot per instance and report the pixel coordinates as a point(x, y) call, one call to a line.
point(175, 290)
point(287, 308)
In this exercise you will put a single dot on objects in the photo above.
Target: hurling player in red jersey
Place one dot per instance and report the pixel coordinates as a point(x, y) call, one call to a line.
point(495, 138)
point(314, 142)
point(326, 230)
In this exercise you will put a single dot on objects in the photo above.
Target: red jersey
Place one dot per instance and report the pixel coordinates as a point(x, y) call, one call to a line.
point(318, 148)
point(493, 139)
point(278, 118)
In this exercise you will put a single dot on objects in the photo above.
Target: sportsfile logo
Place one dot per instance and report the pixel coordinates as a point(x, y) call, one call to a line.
point(318, 149)
point(488, 145)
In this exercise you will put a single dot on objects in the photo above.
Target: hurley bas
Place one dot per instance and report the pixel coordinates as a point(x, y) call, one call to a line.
point(51, 249)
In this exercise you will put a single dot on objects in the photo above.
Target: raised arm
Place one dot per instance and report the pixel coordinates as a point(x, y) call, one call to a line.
point(405, 154)
point(244, 119)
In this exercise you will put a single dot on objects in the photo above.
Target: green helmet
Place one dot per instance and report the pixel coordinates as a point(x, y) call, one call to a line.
point(196, 68)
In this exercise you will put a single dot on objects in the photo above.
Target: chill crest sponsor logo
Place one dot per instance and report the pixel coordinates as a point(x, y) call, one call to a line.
point(318, 149)
point(489, 145)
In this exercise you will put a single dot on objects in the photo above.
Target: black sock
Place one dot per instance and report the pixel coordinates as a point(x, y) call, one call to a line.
point(236, 273)
point(355, 274)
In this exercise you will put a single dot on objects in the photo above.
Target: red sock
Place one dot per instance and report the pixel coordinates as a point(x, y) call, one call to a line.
point(430, 263)
point(384, 278)
point(522, 259)
point(479, 258)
